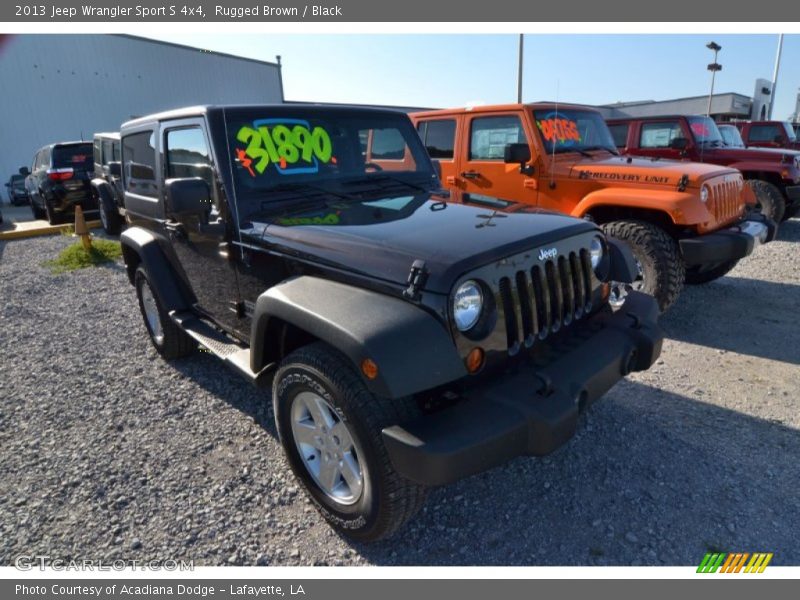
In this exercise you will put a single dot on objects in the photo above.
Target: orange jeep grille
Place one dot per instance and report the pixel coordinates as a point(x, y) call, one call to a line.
point(725, 199)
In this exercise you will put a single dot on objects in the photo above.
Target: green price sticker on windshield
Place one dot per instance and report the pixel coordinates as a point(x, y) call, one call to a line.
point(291, 145)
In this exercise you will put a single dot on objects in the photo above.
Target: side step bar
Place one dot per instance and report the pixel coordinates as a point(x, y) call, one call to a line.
point(234, 355)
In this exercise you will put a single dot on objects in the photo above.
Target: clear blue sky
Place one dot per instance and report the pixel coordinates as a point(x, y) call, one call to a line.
point(452, 70)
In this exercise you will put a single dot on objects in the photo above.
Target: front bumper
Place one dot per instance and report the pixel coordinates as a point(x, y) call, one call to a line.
point(729, 244)
point(533, 411)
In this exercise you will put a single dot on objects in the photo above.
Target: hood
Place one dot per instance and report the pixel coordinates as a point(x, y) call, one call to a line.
point(753, 153)
point(381, 238)
point(639, 171)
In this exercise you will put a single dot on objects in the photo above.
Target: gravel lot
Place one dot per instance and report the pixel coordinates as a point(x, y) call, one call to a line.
point(108, 452)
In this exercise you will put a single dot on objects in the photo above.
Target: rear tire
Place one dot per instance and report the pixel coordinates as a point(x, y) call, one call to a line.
point(660, 262)
point(696, 277)
point(378, 502)
point(109, 215)
point(51, 215)
point(168, 339)
point(769, 199)
point(38, 213)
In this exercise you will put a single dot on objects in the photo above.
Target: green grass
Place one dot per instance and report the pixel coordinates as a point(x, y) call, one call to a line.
point(75, 257)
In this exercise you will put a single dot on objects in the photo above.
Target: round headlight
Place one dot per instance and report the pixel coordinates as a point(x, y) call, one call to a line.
point(704, 194)
point(596, 250)
point(467, 305)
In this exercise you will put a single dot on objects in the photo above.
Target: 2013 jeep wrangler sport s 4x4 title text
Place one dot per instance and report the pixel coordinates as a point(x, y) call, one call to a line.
point(411, 339)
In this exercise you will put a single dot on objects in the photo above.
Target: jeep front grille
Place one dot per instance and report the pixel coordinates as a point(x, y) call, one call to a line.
point(538, 301)
point(725, 199)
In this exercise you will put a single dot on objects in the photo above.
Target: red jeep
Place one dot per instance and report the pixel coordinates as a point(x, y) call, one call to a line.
point(774, 175)
point(769, 134)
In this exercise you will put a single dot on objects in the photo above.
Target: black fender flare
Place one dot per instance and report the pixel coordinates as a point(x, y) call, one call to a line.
point(104, 193)
point(413, 350)
point(140, 246)
point(623, 263)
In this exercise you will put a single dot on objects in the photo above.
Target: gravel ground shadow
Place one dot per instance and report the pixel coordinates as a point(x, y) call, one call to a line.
point(652, 477)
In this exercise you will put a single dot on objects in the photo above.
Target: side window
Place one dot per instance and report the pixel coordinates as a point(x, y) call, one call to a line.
point(659, 135)
point(620, 134)
point(763, 133)
point(108, 152)
point(489, 136)
point(98, 151)
point(388, 144)
point(439, 137)
point(187, 155)
point(139, 168)
point(116, 152)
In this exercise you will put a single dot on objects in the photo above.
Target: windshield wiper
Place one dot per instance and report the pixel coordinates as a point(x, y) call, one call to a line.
point(382, 178)
point(565, 150)
point(606, 148)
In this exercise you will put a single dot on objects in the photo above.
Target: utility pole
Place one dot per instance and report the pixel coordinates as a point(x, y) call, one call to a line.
point(519, 69)
point(713, 67)
point(775, 76)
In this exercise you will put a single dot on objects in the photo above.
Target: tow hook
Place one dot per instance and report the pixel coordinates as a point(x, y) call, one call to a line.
point(417, 277)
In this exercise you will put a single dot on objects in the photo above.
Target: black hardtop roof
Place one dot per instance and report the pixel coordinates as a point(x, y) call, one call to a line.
point(207, 109)
point(54, 144)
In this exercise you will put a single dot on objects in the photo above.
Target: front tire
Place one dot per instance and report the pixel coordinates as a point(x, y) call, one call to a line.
point(694, 276)
point(324, 412)
point(167, 338)
point(661, 268)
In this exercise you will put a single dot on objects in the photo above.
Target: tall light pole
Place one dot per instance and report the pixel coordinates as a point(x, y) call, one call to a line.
point(519, 69)
point(775, 76)
point(713, 67)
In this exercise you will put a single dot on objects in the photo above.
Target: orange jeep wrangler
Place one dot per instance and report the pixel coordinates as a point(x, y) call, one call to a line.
point(685, 222)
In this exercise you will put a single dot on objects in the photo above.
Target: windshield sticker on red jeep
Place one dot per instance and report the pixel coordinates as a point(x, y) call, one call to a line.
point(563, 131)
point(291, 145)
point(700, 129)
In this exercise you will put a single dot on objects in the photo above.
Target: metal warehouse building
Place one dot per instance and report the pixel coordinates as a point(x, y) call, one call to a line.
point(64, 87)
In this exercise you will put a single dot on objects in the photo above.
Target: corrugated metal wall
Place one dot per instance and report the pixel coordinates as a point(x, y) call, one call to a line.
point(61, 87)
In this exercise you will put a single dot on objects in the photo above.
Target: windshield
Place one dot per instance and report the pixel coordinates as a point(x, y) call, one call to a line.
point(78, 156)
point(282, 153)
point(17, 181)
point(731, 136)
point(571, 130)
point(789, 131)
point(705, 130)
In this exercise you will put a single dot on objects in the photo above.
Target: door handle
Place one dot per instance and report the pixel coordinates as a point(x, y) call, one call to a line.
point(470, 174)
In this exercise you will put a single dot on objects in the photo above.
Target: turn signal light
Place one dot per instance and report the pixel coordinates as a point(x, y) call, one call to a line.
point(369, 368)
point(474, 360)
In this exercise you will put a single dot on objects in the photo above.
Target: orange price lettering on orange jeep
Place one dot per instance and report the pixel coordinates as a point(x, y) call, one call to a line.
point(559, 129)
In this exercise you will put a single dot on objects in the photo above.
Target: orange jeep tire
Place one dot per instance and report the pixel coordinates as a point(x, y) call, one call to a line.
point(661, 267)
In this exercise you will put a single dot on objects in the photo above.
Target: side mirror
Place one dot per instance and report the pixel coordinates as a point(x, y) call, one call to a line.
point(516, 154)
point(679, 143)
point(437, 168)
point(24, 171)
point(187, 196)
point(115, 169)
